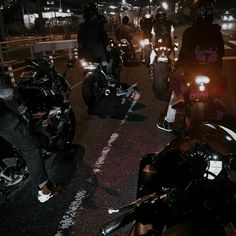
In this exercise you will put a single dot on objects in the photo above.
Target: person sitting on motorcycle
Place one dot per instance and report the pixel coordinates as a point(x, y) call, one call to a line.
point(14, 129)
point(162, 35)
point(202, 48)
point(125, 31)
point(146, 24)
point(92, 43)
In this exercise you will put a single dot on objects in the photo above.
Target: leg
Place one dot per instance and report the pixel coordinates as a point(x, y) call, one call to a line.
point(15, 132)
point(169, 119)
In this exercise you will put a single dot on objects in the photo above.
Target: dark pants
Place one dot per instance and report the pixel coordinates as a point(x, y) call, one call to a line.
point(13, 130)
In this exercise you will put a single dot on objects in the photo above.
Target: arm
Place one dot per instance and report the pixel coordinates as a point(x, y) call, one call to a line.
point(184, 50)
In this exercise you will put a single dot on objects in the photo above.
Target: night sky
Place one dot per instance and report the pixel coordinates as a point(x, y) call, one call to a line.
point(76, 3)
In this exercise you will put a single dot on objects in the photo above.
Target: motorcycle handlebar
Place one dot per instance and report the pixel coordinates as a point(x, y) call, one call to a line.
point(117, 223)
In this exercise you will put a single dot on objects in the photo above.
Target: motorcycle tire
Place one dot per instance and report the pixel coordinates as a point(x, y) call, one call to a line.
point(160, 83)
point(93, 88)
point(198, 113)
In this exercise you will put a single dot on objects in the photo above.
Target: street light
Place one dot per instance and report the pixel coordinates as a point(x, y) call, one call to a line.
point(165, 5)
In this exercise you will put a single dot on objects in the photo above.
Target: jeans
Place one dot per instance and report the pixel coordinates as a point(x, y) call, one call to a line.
point(13, 130)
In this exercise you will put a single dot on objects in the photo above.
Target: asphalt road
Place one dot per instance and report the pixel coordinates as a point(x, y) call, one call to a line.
point(101, 170)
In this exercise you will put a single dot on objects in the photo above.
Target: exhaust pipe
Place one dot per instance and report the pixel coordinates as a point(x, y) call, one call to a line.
point(107, 92)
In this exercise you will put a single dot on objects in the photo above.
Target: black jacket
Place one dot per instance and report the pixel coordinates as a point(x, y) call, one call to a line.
point(202, 45)
point(163, 31)
point(92, 40)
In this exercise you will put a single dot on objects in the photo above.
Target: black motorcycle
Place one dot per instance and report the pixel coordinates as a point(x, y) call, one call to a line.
point(45, 94)
point(162, 67)
point(199, 100)
point(96, 83)
point(128, 57)
point(188, 188)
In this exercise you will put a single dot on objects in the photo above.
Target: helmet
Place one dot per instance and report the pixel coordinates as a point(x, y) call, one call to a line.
point(125, 20)
point(160, 15)
point(90, 13)
point(203, 11)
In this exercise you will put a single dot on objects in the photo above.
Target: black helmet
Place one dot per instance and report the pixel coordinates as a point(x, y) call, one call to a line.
point(160, 15)
point(203, 11)
point(90, 13)
point(125, 20)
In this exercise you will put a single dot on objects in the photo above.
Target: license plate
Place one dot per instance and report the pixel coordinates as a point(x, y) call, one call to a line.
point(199, 96)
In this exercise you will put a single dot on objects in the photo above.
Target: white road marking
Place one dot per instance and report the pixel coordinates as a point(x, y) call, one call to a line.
point(71, 215)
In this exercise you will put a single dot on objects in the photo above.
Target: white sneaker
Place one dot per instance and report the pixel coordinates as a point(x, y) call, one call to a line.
point(48, 191)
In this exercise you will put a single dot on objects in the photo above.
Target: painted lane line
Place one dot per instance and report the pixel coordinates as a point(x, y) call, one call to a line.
point(71, 215)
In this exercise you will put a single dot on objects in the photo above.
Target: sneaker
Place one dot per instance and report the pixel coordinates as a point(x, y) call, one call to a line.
point(178, 103)
point(48, 191)
point(165, 125)
point(120, 91)
point(219, 105)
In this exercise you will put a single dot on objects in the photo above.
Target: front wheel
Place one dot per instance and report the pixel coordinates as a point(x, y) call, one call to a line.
point(160, 83)
point(93, 88)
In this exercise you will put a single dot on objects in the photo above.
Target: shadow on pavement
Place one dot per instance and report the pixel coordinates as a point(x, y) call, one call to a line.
point(111, 107)
point(65, 164)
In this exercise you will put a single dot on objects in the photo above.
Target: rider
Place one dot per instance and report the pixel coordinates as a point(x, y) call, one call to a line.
point(146, 24)
point(202, 48)
point(162, 35)
point(125, 31)
point(14, 129)
point(93, 41)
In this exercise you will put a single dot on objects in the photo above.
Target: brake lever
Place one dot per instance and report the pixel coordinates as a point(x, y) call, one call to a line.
point(147, 198)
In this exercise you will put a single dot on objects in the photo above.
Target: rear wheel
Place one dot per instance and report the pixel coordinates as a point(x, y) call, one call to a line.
point(197, 113)
point(93, 89)
point(160, 84)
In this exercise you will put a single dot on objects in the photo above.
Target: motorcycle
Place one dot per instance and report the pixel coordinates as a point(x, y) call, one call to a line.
point(96, 83)
point(45, 95)
point(188, 188)
point(199, 102)
point(162, 66)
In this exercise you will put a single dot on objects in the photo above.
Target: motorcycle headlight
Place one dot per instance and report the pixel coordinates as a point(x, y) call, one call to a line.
point(83, 63)
point(201, 79)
